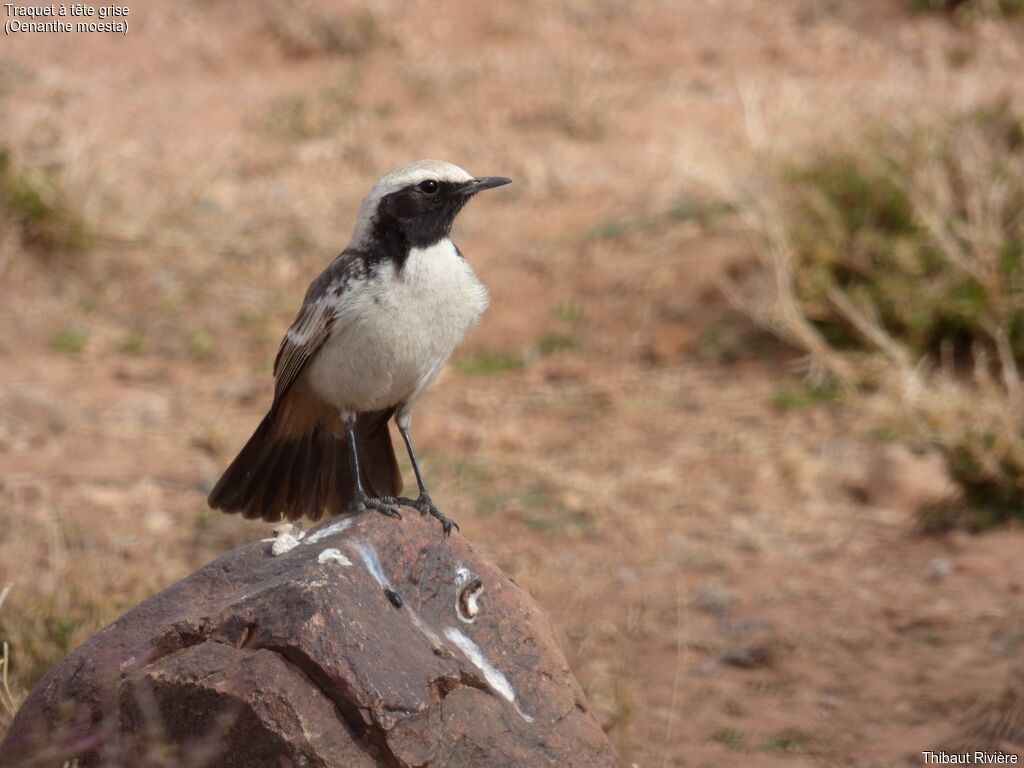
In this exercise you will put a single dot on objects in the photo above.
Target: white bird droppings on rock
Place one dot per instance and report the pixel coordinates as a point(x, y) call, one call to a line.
point(283, 544)
point(330, 530)
point(286, 537)
point(331, 555)
point(372, 561)
point(494, 676)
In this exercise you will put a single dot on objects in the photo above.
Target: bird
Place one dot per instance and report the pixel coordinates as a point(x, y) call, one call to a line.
point(374, 331)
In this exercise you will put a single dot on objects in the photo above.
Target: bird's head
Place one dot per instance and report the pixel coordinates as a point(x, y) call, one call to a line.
point(420, 201)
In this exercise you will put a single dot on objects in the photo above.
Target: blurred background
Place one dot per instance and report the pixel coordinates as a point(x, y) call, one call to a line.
point(744, 414)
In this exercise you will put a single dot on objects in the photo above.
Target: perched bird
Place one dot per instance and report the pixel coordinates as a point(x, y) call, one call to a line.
point(374, 331)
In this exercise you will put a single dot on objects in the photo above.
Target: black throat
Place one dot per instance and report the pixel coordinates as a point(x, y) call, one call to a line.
point(407, 219)
point(390, 243)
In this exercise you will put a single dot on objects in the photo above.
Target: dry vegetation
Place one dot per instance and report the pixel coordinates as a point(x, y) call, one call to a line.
point(898, 265)
point(8, 704)
point(970, 9)
point(731, 553)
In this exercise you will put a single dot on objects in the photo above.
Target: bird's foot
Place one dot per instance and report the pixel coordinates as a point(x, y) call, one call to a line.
point(383, 504)
point(426, 507)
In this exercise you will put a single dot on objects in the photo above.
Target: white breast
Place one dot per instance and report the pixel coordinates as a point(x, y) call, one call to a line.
point(395, 332)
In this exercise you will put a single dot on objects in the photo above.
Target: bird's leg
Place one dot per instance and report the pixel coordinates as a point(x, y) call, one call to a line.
point(384, 505)
point(423, 503)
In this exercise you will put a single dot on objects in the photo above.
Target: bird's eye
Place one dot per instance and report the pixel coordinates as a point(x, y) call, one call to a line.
point(429, 186)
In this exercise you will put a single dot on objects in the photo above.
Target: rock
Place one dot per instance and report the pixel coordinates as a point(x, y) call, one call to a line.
point(754, 643)
point(370, 642)
point(750, 656)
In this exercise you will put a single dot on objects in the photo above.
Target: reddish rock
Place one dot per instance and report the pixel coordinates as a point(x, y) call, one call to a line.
point(371, 642)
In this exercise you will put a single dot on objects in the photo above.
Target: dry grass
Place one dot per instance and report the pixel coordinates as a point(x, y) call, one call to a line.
point(35, 213)
point(897, 264)
point(303, 31)
point(8, 703)
point(970, 9)
point(998, 719)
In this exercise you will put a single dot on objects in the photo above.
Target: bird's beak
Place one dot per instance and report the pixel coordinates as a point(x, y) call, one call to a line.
point(484, 182)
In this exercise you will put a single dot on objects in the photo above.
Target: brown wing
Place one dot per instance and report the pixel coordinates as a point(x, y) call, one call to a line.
point(315, 320)
point(305, 336)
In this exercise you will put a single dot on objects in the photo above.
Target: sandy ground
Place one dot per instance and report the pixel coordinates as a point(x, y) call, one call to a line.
point(733, 581)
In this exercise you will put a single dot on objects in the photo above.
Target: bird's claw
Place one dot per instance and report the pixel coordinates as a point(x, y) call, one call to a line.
point(426, 507)
point(383, 504)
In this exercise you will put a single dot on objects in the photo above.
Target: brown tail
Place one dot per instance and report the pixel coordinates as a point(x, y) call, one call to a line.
point(278, 475)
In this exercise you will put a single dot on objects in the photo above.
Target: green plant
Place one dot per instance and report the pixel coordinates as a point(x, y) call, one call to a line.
point(788, 740)
point(485, 363)
point(898, 265)
point(731, 738)
point(134, 343)
point(897, 227)
point(33, 204)
point(70, 341)
point(614, 229)
point(46, 628)
point(969, 7)
point(566, 331)
point(552, 342)
point(976, 425)
point(201, 343)
point(808, 394)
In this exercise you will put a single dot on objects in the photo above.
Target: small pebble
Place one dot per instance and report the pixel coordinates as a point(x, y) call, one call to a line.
point(750, 656)
point(394, 597)
point(939, 568)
